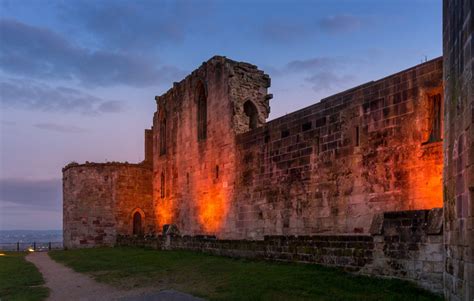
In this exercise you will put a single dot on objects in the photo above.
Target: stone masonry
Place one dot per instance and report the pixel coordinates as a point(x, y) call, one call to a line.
point(458, 48)
point(330, 167)
point(378, 179)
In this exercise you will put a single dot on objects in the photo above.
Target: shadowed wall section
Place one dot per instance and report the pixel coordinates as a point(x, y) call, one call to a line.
point(458, 49)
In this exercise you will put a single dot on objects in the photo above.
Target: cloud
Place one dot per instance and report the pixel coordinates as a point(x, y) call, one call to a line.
point(340, 23)
point(325, 74)
point(60, 128)
point(7, 122)
point(134, 25)
point(330, 81)
point(41, 53)
point(283, 32)
point(39, 194)
point(313, 64)
point(32, 95)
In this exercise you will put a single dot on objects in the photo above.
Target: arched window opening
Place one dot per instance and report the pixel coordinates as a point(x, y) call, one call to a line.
point(435, 119)
point(162, 186)
point(201, 113)
point(137, 224)
point(163, 136)
point(252, 113)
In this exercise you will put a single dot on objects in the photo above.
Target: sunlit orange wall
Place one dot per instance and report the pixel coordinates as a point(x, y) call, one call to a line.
point(213, 208)
point(425, 178)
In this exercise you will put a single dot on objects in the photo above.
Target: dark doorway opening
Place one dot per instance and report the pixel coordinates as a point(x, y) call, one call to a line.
point(137, 224)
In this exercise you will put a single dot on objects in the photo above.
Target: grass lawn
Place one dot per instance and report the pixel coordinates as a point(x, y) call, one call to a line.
point(220, 278)
point(19, 279)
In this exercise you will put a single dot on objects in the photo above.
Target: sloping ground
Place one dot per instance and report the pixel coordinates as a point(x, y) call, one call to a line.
point(220, 278)
point(19, 279)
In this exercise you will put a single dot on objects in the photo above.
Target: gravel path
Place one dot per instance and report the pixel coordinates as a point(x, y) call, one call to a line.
point(65, 284)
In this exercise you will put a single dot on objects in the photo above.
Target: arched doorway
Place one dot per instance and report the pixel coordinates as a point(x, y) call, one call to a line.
point(137, 224)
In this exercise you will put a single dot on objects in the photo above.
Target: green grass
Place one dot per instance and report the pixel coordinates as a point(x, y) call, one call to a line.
point(220, 278)
point(19, 279)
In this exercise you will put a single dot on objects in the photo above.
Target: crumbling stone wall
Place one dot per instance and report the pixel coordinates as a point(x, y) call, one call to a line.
point(99, 200)
point(458, 49)
point(193, 176)
point(409, 245)
point(330, 167)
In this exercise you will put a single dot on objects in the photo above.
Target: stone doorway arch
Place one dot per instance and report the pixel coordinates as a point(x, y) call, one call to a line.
point(138, 222)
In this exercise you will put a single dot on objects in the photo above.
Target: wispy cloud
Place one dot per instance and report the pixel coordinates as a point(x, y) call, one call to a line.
point(7, 122)
point(325, 74)
point(285, 31)
point(313, 64)
point(44, 54)
point(134, 25)
point(42, 194)
point(341, 23)
point(32, 95)
point(61, 128)
point(330, 81)
point(280, 31)
point(30, 204)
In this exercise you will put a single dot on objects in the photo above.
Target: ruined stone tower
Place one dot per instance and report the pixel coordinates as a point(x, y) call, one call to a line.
point(195, 151)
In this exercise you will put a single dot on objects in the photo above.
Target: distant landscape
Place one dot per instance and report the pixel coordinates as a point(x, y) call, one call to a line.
point(30, 236)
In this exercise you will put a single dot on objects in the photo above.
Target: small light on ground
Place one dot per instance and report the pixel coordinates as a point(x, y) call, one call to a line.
point(2, 254)
point(31, 250)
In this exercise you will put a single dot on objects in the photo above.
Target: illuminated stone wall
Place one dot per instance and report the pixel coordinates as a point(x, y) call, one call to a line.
point(458, 49)
point(99, 200)
point(330, 167)
point(193, 178)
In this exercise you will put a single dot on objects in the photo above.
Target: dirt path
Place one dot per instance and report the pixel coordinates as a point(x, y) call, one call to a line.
point(65, 284)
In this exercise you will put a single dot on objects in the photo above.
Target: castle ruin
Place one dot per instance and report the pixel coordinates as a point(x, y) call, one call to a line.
point(366, 168)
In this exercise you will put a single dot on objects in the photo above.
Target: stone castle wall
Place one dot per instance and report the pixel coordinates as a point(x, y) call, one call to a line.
point(99, 200)
point(330, 167)
point(193, 177)
point(458, 49)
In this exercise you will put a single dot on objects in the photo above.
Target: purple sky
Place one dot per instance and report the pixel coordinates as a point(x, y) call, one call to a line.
point(78, 78)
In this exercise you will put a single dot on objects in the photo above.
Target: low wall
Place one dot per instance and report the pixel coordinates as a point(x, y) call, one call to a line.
point(409, 245)
point(406, 245)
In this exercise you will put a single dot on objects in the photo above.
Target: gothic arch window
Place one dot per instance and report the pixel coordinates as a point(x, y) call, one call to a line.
point(137, 222)
point(162, 185)
point(201, 112)
point(252, 113)
point(163, 136)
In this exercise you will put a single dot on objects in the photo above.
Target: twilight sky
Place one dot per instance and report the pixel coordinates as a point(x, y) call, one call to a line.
point(78, 78)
